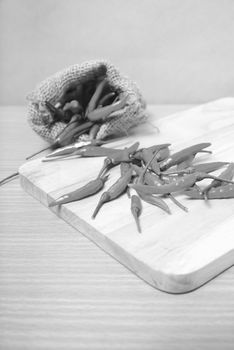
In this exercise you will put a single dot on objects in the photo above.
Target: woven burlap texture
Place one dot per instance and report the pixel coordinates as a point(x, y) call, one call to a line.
point(52, 88)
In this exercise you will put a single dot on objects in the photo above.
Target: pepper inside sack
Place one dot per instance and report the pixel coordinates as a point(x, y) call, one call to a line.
point(94, 91)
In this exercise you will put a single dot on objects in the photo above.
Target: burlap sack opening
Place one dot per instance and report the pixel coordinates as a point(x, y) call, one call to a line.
point(54, 87)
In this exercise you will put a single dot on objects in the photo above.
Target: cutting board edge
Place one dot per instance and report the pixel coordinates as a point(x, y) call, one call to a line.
point(164, 281)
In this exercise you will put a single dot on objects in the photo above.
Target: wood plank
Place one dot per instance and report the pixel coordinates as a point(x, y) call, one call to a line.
point(175, 253)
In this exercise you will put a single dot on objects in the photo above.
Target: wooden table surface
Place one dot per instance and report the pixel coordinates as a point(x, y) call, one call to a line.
point(60, 291)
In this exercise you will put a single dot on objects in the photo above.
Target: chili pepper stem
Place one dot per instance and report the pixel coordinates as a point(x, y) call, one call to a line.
point(6, 179)
point(105, 167)
point(174, 200)
point(205, 151)
point(35, 154)
point(141, 177)
point(219, 179)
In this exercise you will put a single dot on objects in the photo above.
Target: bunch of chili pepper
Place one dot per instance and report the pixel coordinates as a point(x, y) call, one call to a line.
point(153, 173)
point(83, 108)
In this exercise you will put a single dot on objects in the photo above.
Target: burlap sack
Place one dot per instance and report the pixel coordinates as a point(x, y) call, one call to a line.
point(52, 88)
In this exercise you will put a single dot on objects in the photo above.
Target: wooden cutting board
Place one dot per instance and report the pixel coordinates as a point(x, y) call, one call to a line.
point(175, 253)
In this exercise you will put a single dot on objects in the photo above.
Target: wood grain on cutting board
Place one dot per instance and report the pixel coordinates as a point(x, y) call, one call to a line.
point(175, 253)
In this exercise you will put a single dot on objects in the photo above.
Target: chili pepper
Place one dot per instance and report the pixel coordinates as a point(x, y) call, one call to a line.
point(74, 106)
point(114, 191)
point(176, 202)
point(96, 96)
point(159, 147)
point(70, 149)
point(148, 164)
point(227, 174)
point(87, 190)
point(169, 195)
point(102, 113)
point(155, 148)
point(78, 148)
point(67, 135)
point(124, 155)
point(103, 101)
point(156, 201)
point(136, 209)
point(186, 163)
point(107, 165)
point(148, 197)
point(152, 180)
point(149, 178)
point(124, 167)
point(182, 155)
point(96, 151)
point(149, 156)
point(81, 129)
point(203, 167)
point(84, 151)
point(182, 183)
point(221, 192)
point(55, 145)
point(163, 154)
point(156, 180)
point(209, 167)
point(93, 131)
point(57, 113)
